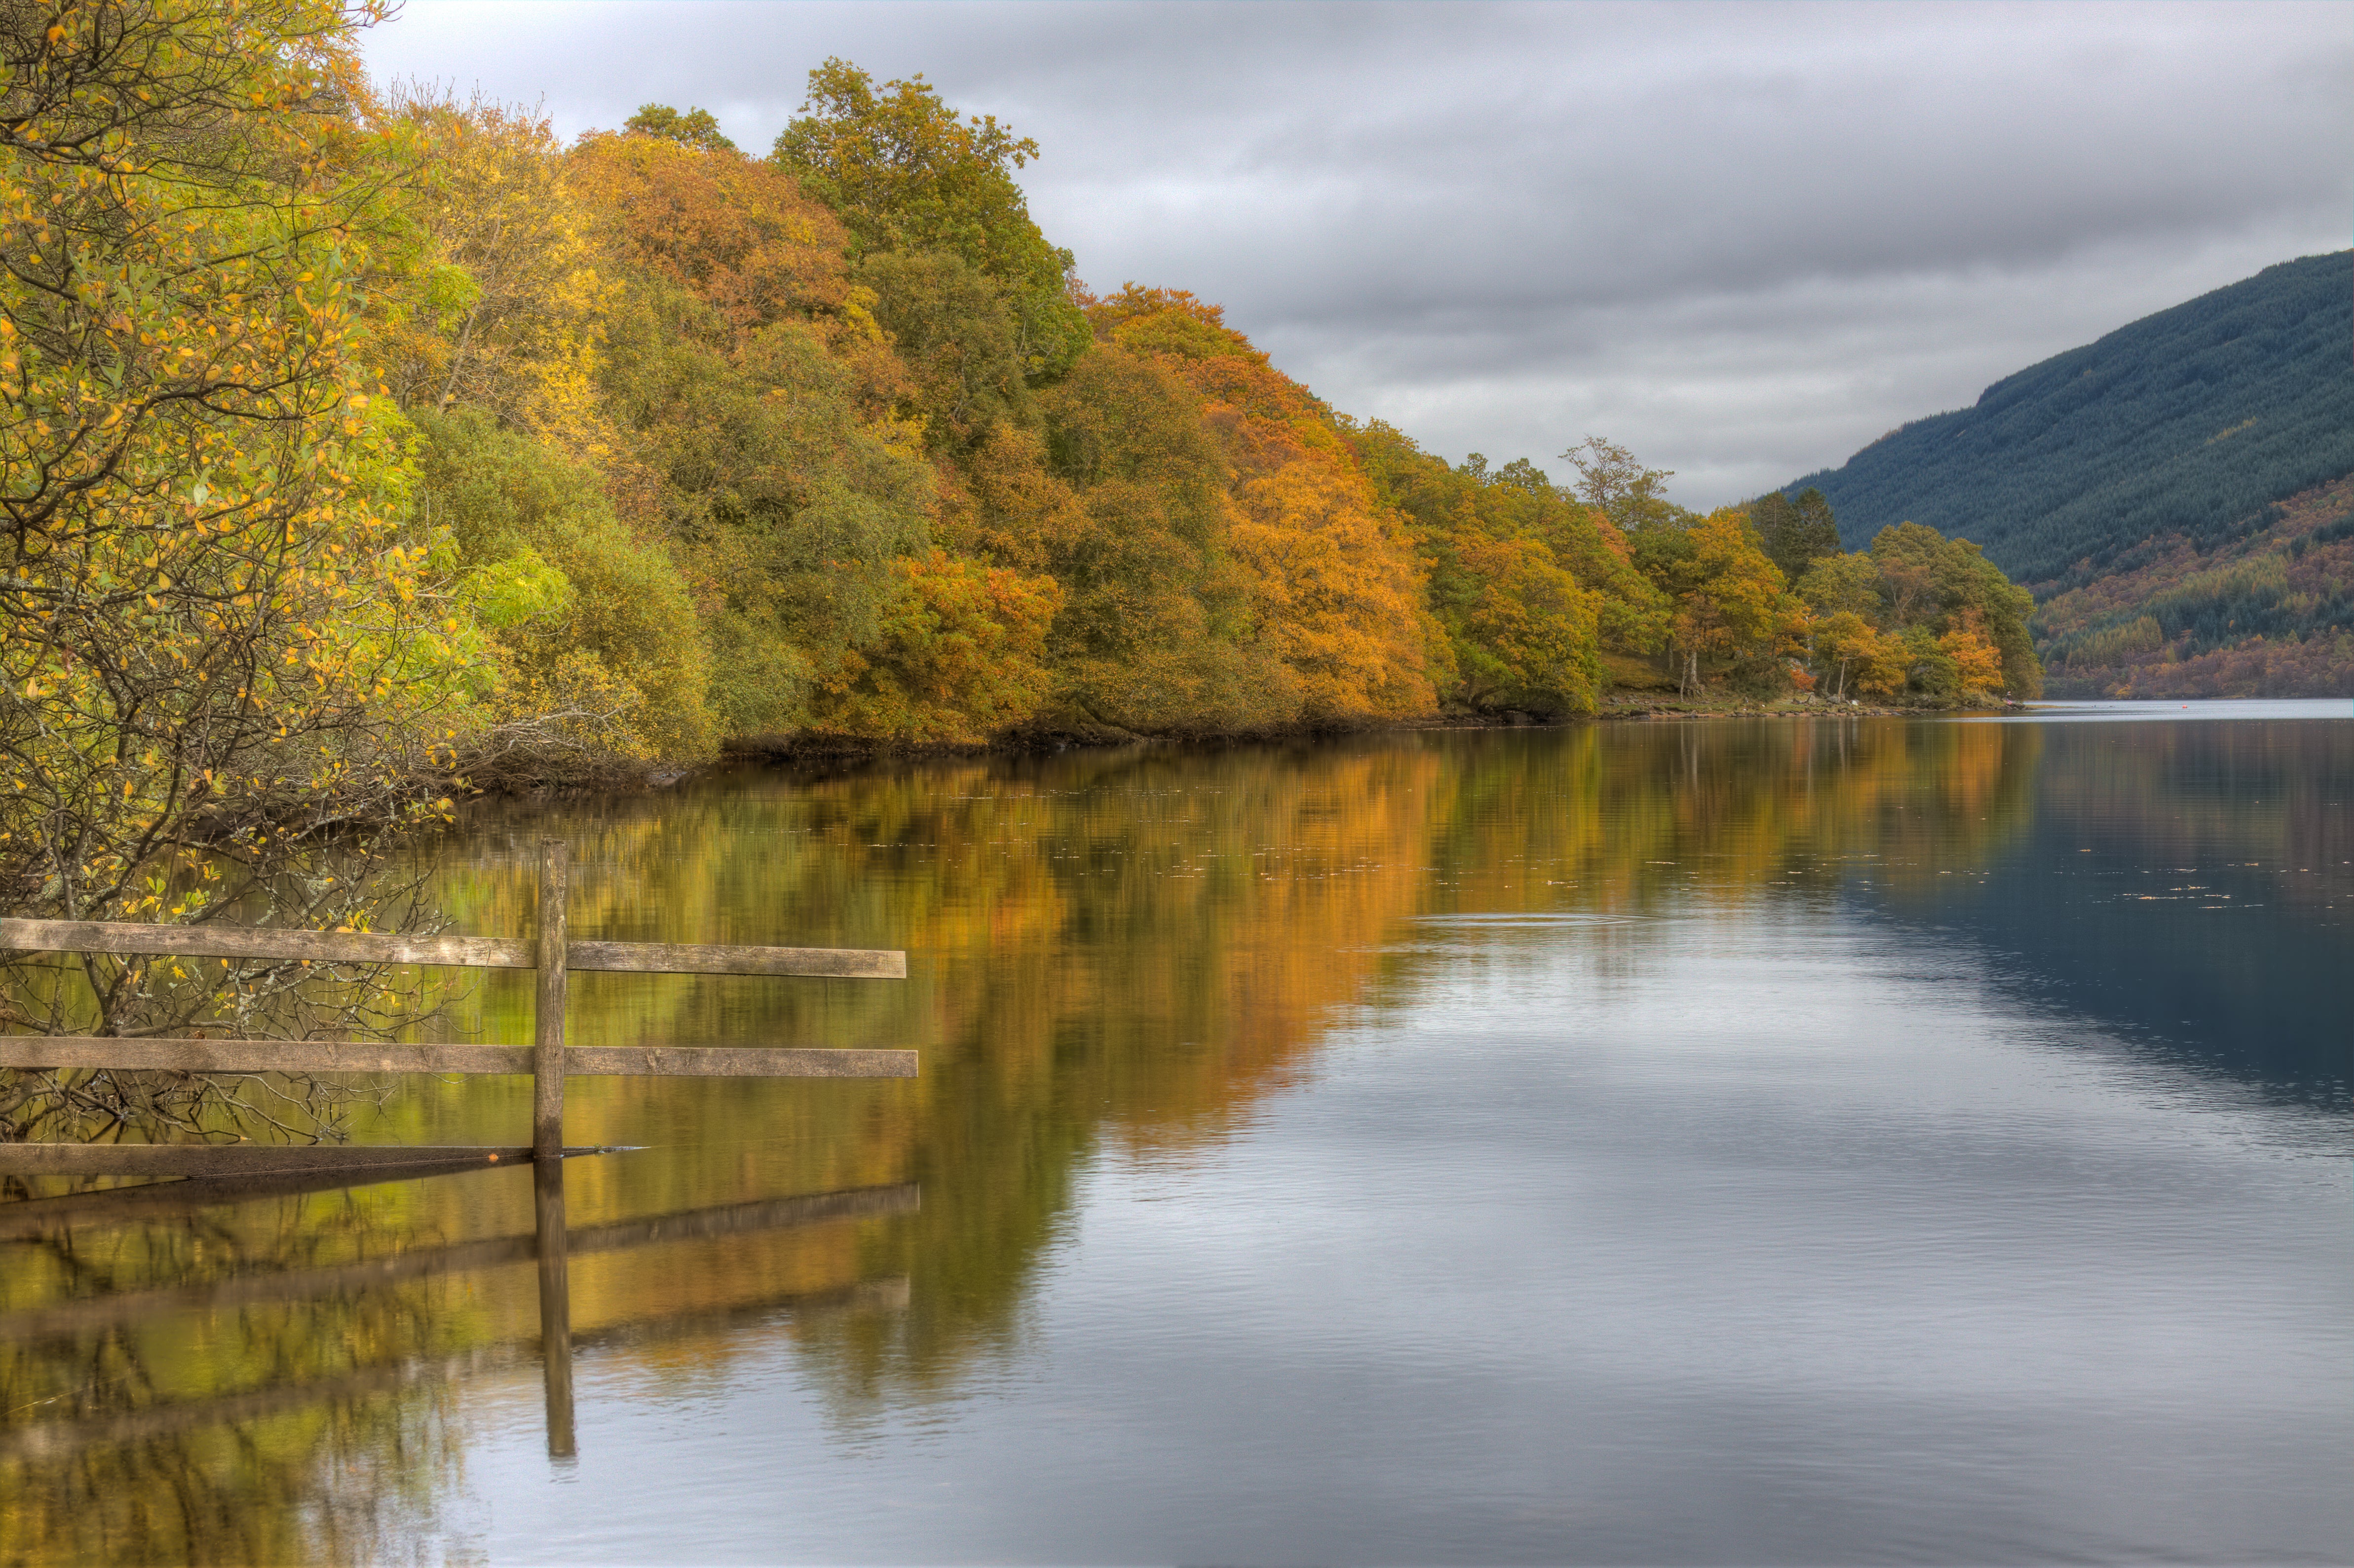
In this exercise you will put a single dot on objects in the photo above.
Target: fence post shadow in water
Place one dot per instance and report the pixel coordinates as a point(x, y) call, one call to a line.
point(548, 1059)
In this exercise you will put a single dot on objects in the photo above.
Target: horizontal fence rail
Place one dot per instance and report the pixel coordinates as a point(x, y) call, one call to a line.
point(173, 1056)
point(468, 952)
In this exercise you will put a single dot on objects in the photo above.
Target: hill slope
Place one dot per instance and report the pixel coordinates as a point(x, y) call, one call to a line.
point(2183, 428)
point(2268, 615)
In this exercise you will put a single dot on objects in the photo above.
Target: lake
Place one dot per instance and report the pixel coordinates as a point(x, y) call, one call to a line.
point(1715, 1141)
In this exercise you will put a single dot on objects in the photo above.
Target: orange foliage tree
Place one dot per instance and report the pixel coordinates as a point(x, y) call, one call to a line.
point(1336, 592)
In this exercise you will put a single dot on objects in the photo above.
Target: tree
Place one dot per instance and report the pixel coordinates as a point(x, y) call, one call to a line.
point(1156, 627)
point(506, 309)
point(596, 661)
point(1851, 651)
point(1528, 632)
point(1730, 604)
point(906, 172)
point(1336, 595)
point(1977, 664)
point(224, 667)
point(694, 129)
point(1931, 581)
point(961, 657)
point(1796, 534)
point(753, 400)
point(1614, 484)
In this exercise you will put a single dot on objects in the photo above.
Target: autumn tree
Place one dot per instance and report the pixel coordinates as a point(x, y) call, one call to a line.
point(1336, 591)
point(1920, 613)
point(1732, 606)
point(960, 656)
point(224, 663)
point(1530, 583)
point(1155, 629)
point(1855, 654)
point(1935, 582)
point(753, 396)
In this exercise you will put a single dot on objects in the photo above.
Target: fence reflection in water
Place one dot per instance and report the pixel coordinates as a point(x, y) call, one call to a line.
point(550, 1246)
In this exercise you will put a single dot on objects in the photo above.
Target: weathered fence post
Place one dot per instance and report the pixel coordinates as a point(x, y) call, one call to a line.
point(547, 1012)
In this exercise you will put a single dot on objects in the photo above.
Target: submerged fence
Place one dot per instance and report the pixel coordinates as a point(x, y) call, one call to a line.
point(548, 1059)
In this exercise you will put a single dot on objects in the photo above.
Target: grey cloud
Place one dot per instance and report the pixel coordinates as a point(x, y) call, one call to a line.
point(1744, 239)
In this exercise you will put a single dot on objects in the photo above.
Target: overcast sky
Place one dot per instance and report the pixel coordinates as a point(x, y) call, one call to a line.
point(1744, 239)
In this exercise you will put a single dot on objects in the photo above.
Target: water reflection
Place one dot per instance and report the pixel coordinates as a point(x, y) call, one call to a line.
point(271, 1379)
point(1116, 960)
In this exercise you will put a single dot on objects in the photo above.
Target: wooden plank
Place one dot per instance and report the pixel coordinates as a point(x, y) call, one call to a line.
point(737, 1062)
point(261, 942)
point(231, 1159)
point(161, 1054)
point(473, 952)
point(175, 1055)
point(686, 959)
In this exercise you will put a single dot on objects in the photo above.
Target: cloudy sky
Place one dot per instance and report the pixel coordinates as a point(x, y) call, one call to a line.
point(1745, 239)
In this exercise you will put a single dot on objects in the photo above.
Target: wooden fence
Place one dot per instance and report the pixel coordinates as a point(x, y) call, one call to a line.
point(548, 1059)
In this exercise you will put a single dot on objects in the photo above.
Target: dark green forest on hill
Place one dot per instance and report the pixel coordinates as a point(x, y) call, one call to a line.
point(2185, 428)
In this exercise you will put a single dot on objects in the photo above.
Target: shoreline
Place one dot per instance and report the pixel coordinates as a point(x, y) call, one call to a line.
point(1617, 707)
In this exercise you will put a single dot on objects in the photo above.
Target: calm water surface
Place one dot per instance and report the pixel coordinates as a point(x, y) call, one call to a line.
point(1729, 1141)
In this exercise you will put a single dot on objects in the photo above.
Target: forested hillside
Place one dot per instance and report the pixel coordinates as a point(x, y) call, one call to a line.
point(2270, 614)
point(2186, 425)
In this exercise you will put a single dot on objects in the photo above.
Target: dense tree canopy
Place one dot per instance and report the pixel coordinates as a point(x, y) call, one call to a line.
point(623, 452)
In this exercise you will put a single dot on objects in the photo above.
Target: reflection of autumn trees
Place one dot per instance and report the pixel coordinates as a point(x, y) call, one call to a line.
point(1621, 819)
point(1140, 946)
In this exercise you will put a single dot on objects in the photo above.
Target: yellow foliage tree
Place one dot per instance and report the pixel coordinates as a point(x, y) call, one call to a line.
point(1978, 663)
point(1730, 602)
point(215, 638)
point(506, 312)
point(961, 657)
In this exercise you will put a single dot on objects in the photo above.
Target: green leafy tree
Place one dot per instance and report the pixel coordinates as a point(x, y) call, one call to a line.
point(598, 655)
point(960, 346)
point(1933, 581)
point(906, 172)
point(1614, 484)
point(694, 129)
point(1797, 534)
